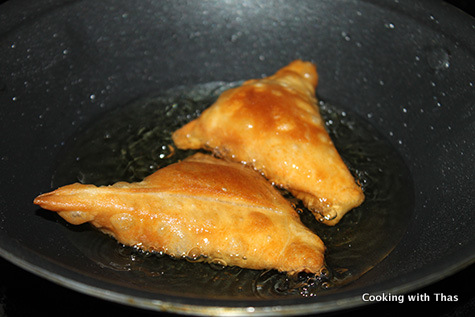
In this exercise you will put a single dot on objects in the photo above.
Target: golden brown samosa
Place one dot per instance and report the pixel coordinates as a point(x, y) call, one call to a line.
point(202, 206)
point(274, 125)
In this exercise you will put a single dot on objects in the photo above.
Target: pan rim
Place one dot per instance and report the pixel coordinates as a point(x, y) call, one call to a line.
point(228, 307)
point(432, 273)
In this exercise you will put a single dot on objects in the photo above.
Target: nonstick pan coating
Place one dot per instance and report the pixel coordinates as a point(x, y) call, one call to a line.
point(406, 67)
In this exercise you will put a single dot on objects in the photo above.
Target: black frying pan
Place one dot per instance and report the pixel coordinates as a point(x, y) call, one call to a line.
point(405, 68)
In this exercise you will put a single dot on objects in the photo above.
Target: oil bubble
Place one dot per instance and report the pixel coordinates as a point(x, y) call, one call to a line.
point(323, 216)
point(194, 255)
point(218, 264)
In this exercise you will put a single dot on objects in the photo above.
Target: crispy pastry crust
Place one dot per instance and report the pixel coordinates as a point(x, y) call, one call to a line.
point(202, 206)
point(274, 125)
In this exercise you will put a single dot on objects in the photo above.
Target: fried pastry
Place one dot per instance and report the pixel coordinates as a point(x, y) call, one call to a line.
point(201, 207)
point(274, 125)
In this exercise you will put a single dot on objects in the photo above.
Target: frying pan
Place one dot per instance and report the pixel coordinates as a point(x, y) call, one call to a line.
point(405, 67)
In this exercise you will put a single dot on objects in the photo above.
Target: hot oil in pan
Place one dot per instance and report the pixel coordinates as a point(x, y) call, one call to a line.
point(131, 142)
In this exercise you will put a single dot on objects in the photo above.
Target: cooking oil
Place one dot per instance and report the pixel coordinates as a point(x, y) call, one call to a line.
point(132, 141)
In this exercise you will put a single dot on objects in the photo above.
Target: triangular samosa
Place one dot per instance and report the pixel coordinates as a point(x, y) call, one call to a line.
point(274, 125)
point(200, 207)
